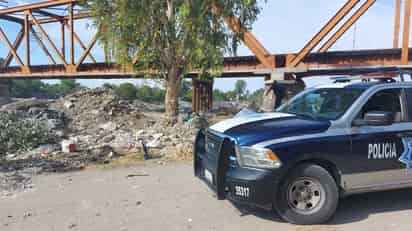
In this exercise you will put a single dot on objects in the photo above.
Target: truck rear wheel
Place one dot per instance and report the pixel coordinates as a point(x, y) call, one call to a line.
point(309, 195)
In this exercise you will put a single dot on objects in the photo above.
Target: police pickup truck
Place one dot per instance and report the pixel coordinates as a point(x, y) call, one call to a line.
point(325, 143)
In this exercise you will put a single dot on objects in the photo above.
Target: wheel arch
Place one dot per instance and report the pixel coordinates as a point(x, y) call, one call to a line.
point(328, 165)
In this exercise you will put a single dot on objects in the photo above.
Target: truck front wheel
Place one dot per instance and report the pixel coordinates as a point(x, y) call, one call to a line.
point(309, 195)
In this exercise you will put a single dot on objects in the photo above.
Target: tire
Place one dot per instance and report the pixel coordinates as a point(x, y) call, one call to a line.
point(309, 195)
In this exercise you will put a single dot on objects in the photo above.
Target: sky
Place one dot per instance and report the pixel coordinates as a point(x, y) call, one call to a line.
point(282, 27)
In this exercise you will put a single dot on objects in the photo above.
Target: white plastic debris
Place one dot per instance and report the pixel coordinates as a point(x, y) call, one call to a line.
point(68, 146)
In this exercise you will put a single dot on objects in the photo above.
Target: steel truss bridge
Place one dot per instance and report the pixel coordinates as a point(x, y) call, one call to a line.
point(314, 58)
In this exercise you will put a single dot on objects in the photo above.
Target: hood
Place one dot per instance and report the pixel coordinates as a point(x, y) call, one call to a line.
point(255, 128)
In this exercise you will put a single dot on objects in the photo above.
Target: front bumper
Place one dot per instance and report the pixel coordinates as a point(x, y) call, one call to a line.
point(256, 187)
point(262, 186)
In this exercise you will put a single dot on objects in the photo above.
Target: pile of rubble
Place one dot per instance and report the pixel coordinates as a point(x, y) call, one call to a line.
point(98, 124)
point(88, 126)
point(172, 142)
point(98, 118)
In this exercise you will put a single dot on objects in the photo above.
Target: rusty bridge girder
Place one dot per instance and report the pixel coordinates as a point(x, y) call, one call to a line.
point(307, 61)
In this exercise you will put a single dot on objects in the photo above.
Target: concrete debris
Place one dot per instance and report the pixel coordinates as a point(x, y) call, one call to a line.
point(13, 182)
point(87, 126)
point(226, 108)
point(25, 105)
point(172, 142)
point(92, 111)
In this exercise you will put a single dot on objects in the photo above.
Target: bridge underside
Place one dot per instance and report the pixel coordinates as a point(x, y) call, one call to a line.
point(316, 64)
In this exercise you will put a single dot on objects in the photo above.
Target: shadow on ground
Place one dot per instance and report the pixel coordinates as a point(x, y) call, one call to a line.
point(354, 208)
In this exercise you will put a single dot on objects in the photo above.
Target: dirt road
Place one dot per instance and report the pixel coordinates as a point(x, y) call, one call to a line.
point(152, 197)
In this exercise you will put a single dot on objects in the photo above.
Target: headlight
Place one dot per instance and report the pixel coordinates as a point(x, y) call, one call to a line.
point(257, 157)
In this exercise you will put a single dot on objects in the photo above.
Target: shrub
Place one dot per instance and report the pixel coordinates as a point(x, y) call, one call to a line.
point(22, 134)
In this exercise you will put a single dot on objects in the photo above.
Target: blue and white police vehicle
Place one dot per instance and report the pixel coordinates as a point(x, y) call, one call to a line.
point(325, 143)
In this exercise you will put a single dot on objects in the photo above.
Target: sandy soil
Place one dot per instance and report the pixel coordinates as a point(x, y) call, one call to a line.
point(153, 197)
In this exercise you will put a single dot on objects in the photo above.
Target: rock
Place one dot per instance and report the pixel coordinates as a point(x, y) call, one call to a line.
point(108, 139)
point(101, 154)
point(140, 133)
point(109, 126)
point(25, 105)
point(155, 143)
point(68, 104)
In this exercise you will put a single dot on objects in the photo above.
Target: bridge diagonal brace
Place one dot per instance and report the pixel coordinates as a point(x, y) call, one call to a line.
point(345, 27)
point(49, 41)
point(48, 14)
point(82, 45)
point(16, 46)
point(350, 4)
point(87, 51)
point(42, 46)
point(249, 39)
point(3, 36)
point(12, 19)
point(406, 32)
point(397, 24)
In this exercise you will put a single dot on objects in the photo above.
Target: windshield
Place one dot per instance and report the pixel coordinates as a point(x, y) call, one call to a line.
point(327, 103)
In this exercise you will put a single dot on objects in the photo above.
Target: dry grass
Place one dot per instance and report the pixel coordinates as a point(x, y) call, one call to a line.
point(127, 158)
point(181, 152)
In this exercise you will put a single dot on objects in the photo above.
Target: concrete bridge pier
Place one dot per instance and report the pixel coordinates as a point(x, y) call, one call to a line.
point(202, 99)
point(278, 91)
point(5, 92)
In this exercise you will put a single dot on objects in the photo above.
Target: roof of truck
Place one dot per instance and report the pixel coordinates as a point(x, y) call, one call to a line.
point(350, 85)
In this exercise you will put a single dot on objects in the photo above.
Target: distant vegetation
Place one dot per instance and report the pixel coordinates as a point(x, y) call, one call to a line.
point(129, 91)
point(239, 93)
point(36, 88)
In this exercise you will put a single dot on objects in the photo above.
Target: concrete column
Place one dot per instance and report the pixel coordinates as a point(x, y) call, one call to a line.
point(4, 92)
point(286, 91)
point(202, 99)
point(269, 98)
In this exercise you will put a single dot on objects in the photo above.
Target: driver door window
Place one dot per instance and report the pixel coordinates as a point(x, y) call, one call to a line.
point(387, 101)
point(365, 158)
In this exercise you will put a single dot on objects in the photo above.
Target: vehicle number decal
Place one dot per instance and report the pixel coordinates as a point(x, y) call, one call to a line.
point(242, 191)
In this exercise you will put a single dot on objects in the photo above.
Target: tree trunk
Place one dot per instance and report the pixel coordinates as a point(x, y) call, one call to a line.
point(172, 96)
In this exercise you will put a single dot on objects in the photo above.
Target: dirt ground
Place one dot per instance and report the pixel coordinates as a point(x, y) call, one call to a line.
point(154, 197)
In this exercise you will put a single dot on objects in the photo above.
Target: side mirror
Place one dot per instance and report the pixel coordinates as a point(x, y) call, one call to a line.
point(375, 118)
